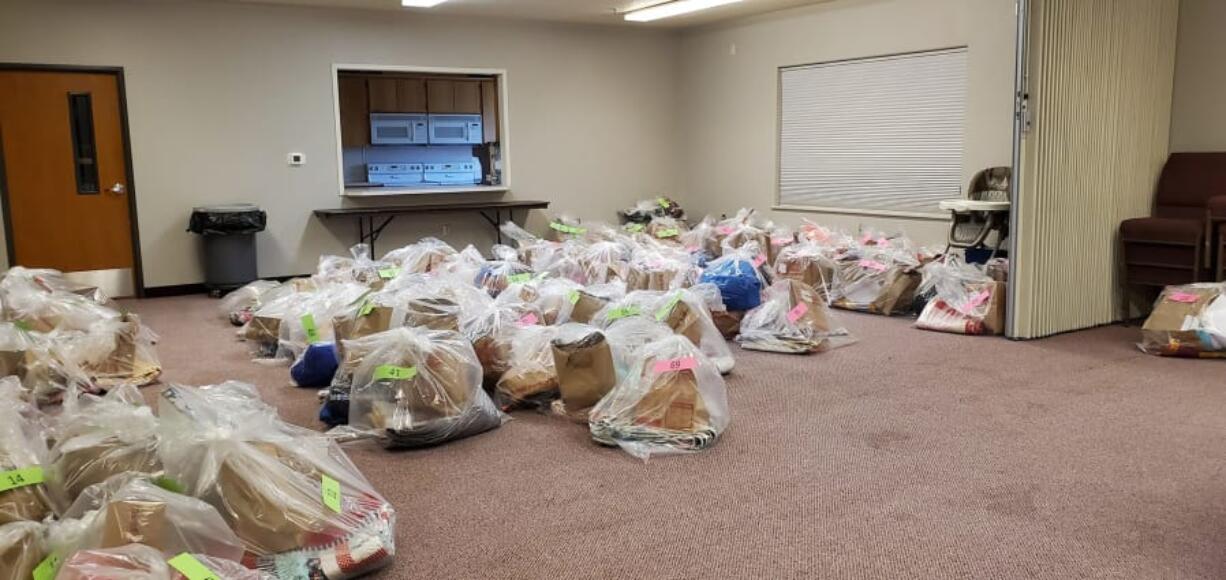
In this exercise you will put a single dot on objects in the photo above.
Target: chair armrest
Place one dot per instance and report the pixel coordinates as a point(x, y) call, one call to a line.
point(1217, 207)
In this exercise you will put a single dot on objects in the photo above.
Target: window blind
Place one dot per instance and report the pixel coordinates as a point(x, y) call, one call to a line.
point(876, 134)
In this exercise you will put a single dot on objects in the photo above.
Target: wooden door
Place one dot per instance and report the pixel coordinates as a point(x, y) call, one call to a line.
point(382, 91)
point(65, 172)
point(489, 110)
point(467, 97)
point(355, 111)
point(411, 95)
point(441, 95)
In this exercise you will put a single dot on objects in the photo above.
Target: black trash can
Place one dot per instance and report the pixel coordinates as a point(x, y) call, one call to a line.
point(229, 243)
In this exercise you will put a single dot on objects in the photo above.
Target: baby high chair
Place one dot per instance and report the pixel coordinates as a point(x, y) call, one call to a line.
point(984, 211)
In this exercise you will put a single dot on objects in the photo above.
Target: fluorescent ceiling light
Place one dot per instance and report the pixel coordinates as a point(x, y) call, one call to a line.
point(421, 3)
point(673, 8)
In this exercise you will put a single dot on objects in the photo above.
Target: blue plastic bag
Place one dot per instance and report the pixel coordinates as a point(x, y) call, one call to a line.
point(316, 367)
point(737, 281)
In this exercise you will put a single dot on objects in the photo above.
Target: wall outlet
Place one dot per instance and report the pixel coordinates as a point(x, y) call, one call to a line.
point(296, 159)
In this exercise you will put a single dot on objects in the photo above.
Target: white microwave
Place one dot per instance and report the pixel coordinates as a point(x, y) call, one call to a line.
point(455, 130)
point(398, 129)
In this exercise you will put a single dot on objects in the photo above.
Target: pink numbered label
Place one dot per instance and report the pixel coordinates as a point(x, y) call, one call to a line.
point(866, 239)
point(674, 365)
point(883, 242)
point(726, 230)
point(691, 249)
point(781, 241)
point(873, 265)
point(528, 319)
point(759, 260)
point(1184, 297)
point(795, 313)
point(975, 302)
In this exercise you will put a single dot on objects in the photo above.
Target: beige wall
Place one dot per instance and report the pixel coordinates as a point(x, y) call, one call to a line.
point(728, 109)
point(1198, 122)
point(218, 93)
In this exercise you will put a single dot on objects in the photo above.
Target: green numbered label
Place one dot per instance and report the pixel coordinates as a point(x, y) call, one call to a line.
point(394, 373)
point(47, 568)
point(389, 272)
point(22, 325)
point(332, 494)
point(20, 478)
point(619, 313)
point(667, 309)
point(634, 228)
point(308, 326)
point(519, 278)
point(567, 229)
point(190, 567)
point(573, 296)
point(668, 233)
point(366, 308)
point(663, 202)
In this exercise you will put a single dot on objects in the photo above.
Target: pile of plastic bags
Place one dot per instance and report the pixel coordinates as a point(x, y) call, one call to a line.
point(963, 299)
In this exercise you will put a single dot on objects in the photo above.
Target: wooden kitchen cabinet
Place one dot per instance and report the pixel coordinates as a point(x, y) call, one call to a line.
point(453, 96)
point(382, 95)
point(411, 96)
point(355, 111)
point(489, 110)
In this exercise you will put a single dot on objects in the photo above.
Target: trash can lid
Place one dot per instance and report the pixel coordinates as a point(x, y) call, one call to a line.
point(226, 208)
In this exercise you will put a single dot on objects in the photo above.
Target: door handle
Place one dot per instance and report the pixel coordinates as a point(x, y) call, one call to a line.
point(118, 189)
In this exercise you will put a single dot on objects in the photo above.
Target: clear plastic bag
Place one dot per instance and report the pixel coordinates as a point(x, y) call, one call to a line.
point(299, 505)
point(358, 268)
point(737, 277)
point(686, 312)
point(604, 262)
point(418, 388)
point(492, 331)
point(140, 562)
point(238, 306)
point(98, 437)
point(115, 352)
point(308, 320)
point(41, 364)
point(673, 400)
point(427, 255)
point(1187, 321)
point(565, 227)
point(23, 450)
point(40, 310)
point(496, 275)
point(810, 263)
point(530, 379)
point(48, 280)
point(130, 509)
point(964, 299)
point(793, 319)
point(23, 546)
point(877, 279)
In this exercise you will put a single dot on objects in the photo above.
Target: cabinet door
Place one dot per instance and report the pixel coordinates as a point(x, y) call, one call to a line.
point(382, 95)
point(355, 111)
point(410, 96)
point(489, 110)
point(467, 97)
point(440, 95)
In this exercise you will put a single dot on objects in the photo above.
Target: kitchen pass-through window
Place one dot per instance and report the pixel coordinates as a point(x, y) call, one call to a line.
point(874, 135)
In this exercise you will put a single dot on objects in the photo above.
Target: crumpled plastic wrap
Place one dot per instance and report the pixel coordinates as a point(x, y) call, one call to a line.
point(423, 257)
point(130, 509)
point(115, 352)
point(98, 437)
point(493, 329)
point(23, 546)
point(1187, 321)
point(417, 388)
point(530, 379)
point(39, 310)
point(140, 562)
point(23, 449)
point(239, 305)
point(673, 400)
point(793, 319)
point(308, 319)
point(358, 268)
point(810, 263)
point(685, 311)
point(298, 504)
point(48, 280)
point(964, 299)
point(565, 227)
point(40, 362)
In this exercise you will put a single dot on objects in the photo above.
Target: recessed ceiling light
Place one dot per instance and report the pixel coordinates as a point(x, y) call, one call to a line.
point(673, 8)
point(421, 3)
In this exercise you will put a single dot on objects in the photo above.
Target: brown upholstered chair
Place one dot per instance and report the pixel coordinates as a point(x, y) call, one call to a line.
point(1181, 243)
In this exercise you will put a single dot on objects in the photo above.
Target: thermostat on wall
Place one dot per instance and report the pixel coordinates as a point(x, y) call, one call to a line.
point(296, 158)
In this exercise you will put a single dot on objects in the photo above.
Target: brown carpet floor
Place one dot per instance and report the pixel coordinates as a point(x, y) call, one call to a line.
point(910, 454)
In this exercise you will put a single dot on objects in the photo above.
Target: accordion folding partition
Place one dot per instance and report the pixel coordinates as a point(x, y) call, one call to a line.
point(1094, 109)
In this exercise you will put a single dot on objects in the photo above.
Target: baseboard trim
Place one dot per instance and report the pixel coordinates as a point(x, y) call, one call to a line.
point(190, 289)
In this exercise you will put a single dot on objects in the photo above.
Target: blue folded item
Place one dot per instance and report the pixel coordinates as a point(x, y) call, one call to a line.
point(316, 367)
point(737, 281)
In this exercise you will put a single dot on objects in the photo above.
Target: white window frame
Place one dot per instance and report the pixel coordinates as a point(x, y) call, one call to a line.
point(780, 205)
point(504, 136)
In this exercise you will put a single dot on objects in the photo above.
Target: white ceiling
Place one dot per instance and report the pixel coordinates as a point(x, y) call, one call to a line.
point(578, 11)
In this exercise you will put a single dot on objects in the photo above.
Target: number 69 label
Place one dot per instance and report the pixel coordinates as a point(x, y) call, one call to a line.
point(675, 365)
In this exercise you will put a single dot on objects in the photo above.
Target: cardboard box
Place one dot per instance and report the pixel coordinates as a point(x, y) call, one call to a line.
point(136, 522)
point(672, 402)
